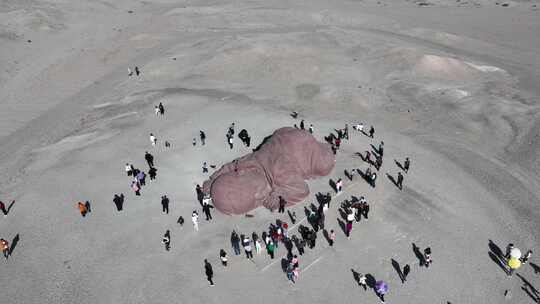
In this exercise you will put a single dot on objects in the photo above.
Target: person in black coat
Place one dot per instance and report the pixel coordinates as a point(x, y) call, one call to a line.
point(209, 272)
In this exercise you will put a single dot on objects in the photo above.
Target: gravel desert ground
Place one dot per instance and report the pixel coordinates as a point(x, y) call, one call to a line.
point(454, 85)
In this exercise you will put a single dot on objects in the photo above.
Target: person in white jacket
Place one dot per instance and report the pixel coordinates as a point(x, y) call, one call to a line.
point(153, 139)
point(195, 220)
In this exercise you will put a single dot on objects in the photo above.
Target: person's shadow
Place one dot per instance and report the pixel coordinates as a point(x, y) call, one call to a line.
point(375, 150)
point(356, 276)
point(396, 266)
point(370, 281)
point(342, 214)
point(284, 264)
point(326, 236)
point(533, 293)
point(14, 244)
point(88, 206)
point(348, 175)
point(10, 205)
point(332, 185)
point(399, 164)
point(342, 225)
point(391, 178)
point(496, 255)
point(418, 254)
point(535, 267)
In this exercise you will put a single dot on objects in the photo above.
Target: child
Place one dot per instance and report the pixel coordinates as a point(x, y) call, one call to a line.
point(332, 237)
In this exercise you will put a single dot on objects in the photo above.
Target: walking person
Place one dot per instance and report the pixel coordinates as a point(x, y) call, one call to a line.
point(406, 165)
point(282, 203)
point(152, 173)
point(311, 129)
point(194, 142)
point(195, 220)
point(373, 179)
point(290, 274)
point(165, 203)
point(149, 159)
point(156, 110)
point(130, 72)
point(209, 272)
point(204, 168)
point(406, 271)
point(161, 109)
point(381, 148)
point(332, 237)
point(302, 124)
point(223, 257)
point(400, 181)
point(153, 140)
point(118, 201)
point(200, 194)
point(82, 208)
point(4, 245)
point(167, 240)
point(202, 135)
point(137, 71)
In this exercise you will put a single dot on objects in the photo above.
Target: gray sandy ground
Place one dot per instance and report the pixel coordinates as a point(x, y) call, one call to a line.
point(453, 85)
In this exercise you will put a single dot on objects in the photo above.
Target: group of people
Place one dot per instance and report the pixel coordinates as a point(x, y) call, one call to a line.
point(514, 258)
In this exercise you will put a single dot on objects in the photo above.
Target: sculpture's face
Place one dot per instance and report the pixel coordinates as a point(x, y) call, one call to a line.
point(279, 168)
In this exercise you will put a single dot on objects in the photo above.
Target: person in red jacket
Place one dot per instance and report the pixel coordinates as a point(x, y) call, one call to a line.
point(4, 245)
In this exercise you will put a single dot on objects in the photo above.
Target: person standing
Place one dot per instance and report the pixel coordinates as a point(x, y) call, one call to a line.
point(258, 247)
point(180, 221)
point(141, 178)
point(149, 159)
point(406, 165)
point(153, 140)
point(200, 194)
point(311, 129)
point(270, 247)
point(346, 132)
point(400, 181)
point(130, 72)
point(137, 71)
point(371, 131)
point(194, 142)
point(202, 135)
point(332, 237)
point(205, 168)
point(381, 148)
point(373, 179)
point(129, 169)
point(509, 248)
point(230, 141)
point(161, 108)
point(195, 220)
point(363, 281)
point(209, 272)
point(3, 208)
point(526, 257)
point(282, 203)
point(165, 203)
point(156, 110)
point(302, 124)
point(82, 208)
point(235, 242)
point(206, 209)
point(406, 271)
point(339, 185)
point(223, 257)
point(152, 173)
point(427, 256)
point(167, 240)
point(348, 229)
point(247, 248)
point(5, 248)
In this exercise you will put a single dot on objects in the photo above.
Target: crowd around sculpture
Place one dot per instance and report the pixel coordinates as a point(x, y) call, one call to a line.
point(278, 167)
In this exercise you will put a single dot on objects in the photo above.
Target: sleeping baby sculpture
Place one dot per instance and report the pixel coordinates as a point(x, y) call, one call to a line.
point(278, 167)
